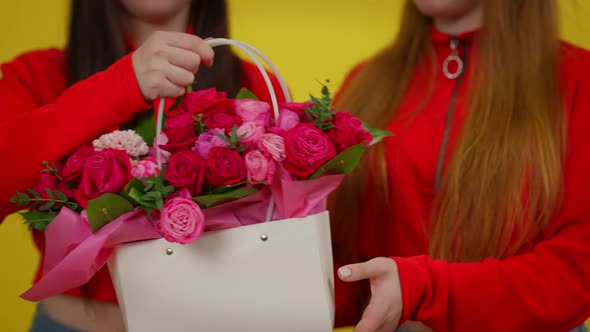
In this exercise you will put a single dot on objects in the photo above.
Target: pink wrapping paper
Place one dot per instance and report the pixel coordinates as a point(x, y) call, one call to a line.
point(73, 254)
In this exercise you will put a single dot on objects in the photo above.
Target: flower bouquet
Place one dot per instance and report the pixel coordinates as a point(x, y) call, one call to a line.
point(220, 225)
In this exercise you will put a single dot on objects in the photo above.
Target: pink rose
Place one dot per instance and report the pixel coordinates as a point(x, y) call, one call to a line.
point(153, 151)
point(205, 101)
point(145, 168)
point(253, 111)
point(225, 120)
point(298, 108)
point(186, 170)
point(181, 220)
point(105, 171)
point(251, 133)
point(210, 140)
point(259, 168)
point(272, 146)
point(348, 131)
point(73, 167)
point(307, 149)
point(225, 167)
point(287, 120)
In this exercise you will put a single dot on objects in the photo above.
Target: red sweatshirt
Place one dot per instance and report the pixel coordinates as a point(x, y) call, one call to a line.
point(43, 119)
point(546, 287)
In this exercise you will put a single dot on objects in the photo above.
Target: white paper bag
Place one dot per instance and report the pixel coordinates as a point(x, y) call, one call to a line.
point(275, 276)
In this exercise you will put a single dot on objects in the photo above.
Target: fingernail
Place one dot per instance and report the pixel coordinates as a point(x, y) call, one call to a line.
point(344, 272)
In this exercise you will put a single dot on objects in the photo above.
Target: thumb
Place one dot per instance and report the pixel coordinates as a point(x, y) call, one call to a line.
point(367, 270)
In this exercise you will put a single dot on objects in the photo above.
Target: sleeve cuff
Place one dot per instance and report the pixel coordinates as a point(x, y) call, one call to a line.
point(412, 273)
point(128, 86)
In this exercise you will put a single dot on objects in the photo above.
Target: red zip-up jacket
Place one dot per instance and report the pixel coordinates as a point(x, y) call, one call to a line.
point(41, 118)
point(546, 286)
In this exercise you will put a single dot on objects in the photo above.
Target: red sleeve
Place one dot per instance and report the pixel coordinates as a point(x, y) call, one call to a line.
point(254, 82)
point(546, 289)
point(31, 132)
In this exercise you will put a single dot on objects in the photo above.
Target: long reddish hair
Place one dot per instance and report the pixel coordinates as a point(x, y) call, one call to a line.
point(504, 179)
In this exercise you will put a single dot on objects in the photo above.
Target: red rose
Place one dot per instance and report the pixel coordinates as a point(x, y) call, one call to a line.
point(298, 108)
point(225, 120)
point(73, 167)
point(225, 167)
point(51, 181)
point(307, 149)
point(348, 131)
point(106, 171)
point(186, 170)
point(205, 101)
point(180, 132)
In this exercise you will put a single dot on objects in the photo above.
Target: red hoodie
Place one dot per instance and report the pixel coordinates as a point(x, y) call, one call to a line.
point(41, 118)
point(546, 286)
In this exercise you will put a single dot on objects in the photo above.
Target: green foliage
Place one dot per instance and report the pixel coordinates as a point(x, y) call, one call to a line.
point(344, 163)
point(211, 200)
point(321, 113)
point(234, 139)
point(105, 209)
point(245, 94)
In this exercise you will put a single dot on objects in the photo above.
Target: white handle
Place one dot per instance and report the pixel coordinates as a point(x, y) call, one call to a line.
point(251, 52)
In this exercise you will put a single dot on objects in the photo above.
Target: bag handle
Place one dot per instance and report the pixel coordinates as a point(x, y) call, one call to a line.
point(252, 53)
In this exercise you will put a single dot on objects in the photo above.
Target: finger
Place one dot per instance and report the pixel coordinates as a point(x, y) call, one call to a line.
point(367, 270)
point(171, 90)
point(178, 76)
point(375, 315)
point(193, 43)
point(184, 59)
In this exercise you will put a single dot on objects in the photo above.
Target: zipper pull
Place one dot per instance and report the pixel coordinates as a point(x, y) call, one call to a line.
point(453, 57)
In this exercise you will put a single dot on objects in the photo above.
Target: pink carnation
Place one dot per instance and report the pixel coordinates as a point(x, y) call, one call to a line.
point(273, 146)
point(126, 140)
point(209, 140)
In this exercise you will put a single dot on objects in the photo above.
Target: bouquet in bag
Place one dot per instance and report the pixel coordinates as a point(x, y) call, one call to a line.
point(214, 163)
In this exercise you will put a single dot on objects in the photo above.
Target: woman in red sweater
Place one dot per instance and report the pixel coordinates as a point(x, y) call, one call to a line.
point(481, 198)
point(53, 101)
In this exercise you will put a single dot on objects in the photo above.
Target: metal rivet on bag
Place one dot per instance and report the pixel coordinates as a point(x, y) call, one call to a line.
point(264, 237)
point(169, 251)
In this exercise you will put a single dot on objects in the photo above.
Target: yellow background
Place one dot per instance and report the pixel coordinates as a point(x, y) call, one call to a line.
point(308, 40)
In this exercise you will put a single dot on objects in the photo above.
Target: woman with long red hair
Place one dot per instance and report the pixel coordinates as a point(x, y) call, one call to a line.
point(480, 199)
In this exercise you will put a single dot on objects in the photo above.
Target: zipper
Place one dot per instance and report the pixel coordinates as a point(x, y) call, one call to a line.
point(459, 75)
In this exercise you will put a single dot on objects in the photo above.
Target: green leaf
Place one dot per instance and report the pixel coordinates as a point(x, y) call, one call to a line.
point(225, 138)
point(105, 209)
point(47, 206)
point(38, 220)
point(20, 199)
point(344, 163)
point(50, 193)
point(167, 191)
point(61, 196)
point(378, 134)
point(34, 193)
point(246, 94)
point(212, 200)
point(225, 189)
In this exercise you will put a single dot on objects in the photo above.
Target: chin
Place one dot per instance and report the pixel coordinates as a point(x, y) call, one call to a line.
point(445, 8)
point(154, 10)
